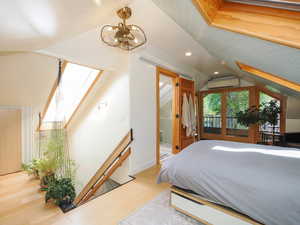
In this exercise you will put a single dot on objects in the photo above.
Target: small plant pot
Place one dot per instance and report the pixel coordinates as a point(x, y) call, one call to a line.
point(66, 206)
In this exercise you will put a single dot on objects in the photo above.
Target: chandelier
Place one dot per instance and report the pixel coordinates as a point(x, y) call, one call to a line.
point(126, 37)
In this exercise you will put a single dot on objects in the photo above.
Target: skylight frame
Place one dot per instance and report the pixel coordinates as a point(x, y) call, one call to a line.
point(54, 89)
point(270, 77)
point(291, 5)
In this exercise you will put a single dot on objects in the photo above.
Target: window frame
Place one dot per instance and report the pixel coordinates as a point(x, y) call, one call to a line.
point(253, 130)
point(270, 24)
point(54, 88)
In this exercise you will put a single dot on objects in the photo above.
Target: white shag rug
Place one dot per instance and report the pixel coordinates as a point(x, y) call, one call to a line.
point(159, 212)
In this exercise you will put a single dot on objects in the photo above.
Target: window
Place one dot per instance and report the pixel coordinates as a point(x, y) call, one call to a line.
point(218, 109)
point(263, 19)
point(268, 128)
point(76, 82)
point(212, 113)
point(236, 101)
point(280, 4)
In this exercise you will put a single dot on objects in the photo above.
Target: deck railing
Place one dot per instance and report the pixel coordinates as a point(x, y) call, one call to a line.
point(213, 124)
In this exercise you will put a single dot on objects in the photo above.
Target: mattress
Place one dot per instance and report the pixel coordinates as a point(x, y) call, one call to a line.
point(262, 182)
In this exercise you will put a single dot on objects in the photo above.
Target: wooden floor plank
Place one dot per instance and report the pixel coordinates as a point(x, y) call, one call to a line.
point(107, 209)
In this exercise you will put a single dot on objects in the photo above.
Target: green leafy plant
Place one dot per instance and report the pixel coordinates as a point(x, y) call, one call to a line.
point(55, 163)
point(249, 116)
point(32, 168)
point(61, 191)
point(270, 113)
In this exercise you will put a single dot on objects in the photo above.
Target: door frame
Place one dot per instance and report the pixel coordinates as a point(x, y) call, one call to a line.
point(175, 77)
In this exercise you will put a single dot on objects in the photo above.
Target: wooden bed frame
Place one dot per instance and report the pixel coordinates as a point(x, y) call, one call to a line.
point(207, 212)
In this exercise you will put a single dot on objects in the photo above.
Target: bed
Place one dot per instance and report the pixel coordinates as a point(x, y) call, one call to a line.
point(262, 182)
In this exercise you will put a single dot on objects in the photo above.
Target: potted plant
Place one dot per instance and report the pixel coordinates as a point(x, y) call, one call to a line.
point(32, 168)
point(62, 192)
point(249, 116)
point(266, 113)
point(270, 114)
point(47, 168)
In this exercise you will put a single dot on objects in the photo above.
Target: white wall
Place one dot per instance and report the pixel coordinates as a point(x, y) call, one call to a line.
point(99, 125)
point(293, 115)
point(142, 114)
point(143, 109)
point(293, 125)
point(25, 83)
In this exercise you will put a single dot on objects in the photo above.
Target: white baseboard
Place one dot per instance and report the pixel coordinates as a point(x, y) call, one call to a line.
point(140, 168)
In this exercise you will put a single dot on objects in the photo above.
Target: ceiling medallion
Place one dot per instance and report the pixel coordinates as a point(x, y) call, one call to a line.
point(126, 37)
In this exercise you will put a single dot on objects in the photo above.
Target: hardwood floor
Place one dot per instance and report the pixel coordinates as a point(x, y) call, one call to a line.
point(22, 204)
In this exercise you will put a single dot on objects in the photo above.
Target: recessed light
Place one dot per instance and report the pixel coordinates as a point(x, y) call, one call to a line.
point(188, 54)
point(216, 72)
point(98, 2)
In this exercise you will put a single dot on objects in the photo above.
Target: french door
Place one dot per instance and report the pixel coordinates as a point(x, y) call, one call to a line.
point(218, 109)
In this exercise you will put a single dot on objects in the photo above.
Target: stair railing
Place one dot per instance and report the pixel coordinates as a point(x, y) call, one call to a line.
point(113, 162)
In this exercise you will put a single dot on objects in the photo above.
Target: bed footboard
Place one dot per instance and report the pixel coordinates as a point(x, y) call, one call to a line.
point(206, 212)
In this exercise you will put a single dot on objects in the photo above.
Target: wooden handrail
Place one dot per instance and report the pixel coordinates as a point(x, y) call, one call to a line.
point(114, 161)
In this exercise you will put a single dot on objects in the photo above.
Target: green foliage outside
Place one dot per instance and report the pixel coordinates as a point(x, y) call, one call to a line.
point(238, 106)
point(212, 104)
point(236, 102)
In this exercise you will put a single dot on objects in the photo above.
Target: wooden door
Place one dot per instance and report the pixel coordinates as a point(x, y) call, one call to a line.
point(10, 141)
point(188, 87)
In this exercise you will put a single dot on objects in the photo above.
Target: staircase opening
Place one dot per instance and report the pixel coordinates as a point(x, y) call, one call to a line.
point(102, 182)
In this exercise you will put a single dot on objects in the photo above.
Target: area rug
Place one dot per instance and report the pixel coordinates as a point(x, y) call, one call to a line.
point(159, 212)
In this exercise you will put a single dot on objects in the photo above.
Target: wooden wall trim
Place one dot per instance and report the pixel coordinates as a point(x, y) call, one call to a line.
point(52, 92)
point(208, 8)
point(83, 98)
point(175, 77)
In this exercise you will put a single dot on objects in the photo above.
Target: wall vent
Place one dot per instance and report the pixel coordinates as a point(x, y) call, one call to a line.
point(223, 82)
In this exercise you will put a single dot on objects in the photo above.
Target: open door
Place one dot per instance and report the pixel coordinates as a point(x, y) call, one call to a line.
point(180, 138)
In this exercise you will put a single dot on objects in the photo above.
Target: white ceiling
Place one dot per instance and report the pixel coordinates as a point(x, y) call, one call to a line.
point(32, 25)
point(49, 25)
point(232, 47)
point(70, 30)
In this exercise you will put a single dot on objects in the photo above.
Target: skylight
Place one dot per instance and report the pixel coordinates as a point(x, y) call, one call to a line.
point(281, 4)
point(76, 82)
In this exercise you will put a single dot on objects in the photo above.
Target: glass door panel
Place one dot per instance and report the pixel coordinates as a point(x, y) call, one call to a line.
point(212, 120)
point(236, 102)
point(268, 128)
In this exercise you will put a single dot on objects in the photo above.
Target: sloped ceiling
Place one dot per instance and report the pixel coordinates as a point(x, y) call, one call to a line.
point(166, 39)
point(232, 47)
point(26, 79)
point(32, 25)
